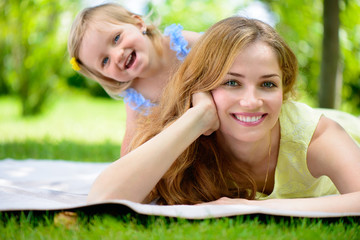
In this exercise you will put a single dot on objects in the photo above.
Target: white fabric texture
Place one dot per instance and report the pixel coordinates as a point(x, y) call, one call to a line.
point(43, 185)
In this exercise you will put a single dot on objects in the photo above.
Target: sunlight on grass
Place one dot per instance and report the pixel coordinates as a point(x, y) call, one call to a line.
point(150, 227)
point(73, 117)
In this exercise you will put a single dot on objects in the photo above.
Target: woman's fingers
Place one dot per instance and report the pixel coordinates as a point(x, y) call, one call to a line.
point(226, 201)
point(205, 102)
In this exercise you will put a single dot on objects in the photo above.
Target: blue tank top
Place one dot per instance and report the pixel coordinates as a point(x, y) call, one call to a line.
point(134, 99)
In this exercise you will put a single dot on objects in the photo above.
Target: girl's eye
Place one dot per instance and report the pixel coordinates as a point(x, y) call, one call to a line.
point(117, 37)
point(268, 85)
point(231, 83)
point(105, 61)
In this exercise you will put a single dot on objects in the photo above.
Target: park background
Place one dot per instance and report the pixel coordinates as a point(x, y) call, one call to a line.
point(49, 111)
point(43, 100)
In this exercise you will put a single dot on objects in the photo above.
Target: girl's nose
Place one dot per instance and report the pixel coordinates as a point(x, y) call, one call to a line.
point(118, 55)
point(251, 100)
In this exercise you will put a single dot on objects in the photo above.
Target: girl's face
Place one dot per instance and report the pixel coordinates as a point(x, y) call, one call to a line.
point(120, 52)
point(250, 97)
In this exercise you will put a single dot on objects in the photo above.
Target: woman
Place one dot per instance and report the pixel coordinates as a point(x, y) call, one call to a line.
point(227, 132)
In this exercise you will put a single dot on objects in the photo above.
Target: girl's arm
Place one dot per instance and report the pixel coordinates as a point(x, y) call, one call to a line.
point(131, 119)
point(133, 176)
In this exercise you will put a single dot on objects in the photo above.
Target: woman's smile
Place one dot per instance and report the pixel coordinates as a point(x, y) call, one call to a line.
point(249, 119)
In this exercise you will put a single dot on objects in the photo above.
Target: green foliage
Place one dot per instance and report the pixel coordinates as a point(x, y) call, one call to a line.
point(350, 50)
point(33, 37)
point(80, 82)
point(194, 15)
point(300, 23)
point(33, 49)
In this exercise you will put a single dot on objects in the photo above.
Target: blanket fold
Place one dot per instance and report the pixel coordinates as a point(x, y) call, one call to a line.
point(55, 185)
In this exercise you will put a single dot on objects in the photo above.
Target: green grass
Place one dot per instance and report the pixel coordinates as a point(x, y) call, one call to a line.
point(74, 127)
point(64, 149)
point(29, 226)
point(86, 129)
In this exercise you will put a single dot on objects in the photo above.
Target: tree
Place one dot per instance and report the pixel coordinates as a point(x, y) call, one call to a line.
point(330, 77)
point(33, 50)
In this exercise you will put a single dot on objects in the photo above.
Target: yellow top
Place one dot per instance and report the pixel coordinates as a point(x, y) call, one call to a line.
point(292, 177)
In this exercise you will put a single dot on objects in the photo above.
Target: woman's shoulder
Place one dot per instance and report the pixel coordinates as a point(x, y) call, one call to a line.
point(339, 122)
point(297, 115)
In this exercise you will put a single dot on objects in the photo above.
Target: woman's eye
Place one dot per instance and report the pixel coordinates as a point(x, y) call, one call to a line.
point(268, 85)
point(231, 83)
point(117, 37)
point(105, 61)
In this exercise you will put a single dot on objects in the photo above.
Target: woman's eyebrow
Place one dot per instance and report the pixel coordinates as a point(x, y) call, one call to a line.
point(235, 74)
point(270, 75)
point(264, 76)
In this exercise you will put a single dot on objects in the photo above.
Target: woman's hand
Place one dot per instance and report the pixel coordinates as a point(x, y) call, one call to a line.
point(344, 203)
point(203, 101)
point(134, 175)
point(227, 201)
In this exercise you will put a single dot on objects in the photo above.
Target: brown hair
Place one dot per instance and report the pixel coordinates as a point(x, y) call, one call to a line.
point(203, 172)
point(106, 13)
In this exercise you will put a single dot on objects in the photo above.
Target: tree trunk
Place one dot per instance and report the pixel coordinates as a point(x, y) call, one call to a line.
point(330, 77)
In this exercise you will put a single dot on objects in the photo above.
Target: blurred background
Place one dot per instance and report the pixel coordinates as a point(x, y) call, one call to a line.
point(41, 97)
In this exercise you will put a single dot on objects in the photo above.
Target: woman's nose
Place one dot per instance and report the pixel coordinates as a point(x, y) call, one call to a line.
point(251, 99)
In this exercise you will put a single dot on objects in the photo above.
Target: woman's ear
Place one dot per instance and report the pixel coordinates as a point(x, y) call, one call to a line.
point(140, 23)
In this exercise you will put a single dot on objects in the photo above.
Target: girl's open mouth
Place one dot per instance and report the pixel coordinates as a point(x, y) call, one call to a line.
point(130, 61)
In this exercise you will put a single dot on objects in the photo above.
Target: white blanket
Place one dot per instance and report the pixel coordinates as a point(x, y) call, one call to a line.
point(42, 185)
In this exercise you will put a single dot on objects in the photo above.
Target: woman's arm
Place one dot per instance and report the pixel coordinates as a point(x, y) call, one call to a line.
point(345, 203)
point(133, 176)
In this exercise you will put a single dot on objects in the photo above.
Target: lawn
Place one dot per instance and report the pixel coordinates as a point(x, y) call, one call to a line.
point(81, 128)
point(75, 127)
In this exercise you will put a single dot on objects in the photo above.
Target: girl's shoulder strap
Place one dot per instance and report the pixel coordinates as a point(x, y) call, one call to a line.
point(177, 41)
point(136, 101)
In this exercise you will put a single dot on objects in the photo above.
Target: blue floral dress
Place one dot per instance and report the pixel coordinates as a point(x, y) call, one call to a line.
point(134, 99)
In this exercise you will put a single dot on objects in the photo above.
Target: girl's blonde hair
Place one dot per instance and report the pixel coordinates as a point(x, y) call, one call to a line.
point(203, 172)
point(110, 13)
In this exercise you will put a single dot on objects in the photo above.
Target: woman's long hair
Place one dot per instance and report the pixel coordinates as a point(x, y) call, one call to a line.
point(203, 172)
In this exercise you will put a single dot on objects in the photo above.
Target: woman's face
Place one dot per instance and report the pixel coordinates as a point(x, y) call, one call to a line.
point(250, 97)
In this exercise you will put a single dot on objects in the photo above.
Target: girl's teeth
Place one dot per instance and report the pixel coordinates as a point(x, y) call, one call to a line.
point(247, 118)
point(129, 59)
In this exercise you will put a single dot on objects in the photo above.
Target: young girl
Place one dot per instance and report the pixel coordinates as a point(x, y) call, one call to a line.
point(128, 58)
point(227, 132)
